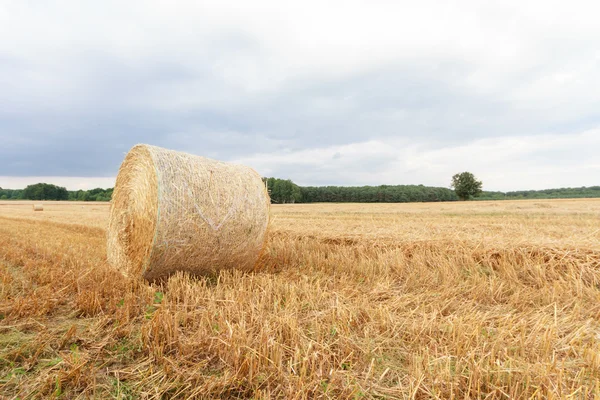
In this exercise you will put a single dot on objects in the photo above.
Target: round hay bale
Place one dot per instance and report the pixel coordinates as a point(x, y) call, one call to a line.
point(38, 207)
point(174, 211)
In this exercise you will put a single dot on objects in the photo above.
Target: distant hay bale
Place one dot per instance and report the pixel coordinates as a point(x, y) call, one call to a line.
point(174, 211)
point(38, 207)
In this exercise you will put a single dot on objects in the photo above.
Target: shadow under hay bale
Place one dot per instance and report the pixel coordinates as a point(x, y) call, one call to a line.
point(173, 211)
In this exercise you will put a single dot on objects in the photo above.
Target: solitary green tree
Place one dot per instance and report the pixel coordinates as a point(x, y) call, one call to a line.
point(466, 185)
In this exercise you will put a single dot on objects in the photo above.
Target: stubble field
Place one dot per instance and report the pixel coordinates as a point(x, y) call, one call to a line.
point(439, 300)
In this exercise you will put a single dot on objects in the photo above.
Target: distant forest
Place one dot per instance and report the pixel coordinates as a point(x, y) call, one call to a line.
point(562, 193)
point(46, 191)
point(286, 191)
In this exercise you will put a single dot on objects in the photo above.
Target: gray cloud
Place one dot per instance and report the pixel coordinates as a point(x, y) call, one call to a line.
point(80, 88)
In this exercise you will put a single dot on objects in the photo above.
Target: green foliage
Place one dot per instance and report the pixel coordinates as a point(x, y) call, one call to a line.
point(376, 194)
point(45, 191)
point(121, 390)
point(561, 193)
point(466, 185)
point(283, 191)
point(97, 194)
point(158, 297)
point(10, 194)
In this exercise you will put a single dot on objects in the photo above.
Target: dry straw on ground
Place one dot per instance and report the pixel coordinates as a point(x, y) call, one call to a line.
point(38, 207)
point(463, 300)
point(173, 211)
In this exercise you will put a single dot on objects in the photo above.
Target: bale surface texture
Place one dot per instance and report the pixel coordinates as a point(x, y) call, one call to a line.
point(38, 207)
point(174, 211)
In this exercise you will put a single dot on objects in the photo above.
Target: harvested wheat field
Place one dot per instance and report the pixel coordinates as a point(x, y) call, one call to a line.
point(441, 300)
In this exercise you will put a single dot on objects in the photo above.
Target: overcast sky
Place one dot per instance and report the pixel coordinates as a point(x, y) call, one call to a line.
point(320, 92)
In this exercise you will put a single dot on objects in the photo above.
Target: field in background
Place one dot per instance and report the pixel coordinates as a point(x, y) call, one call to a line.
point(427, 300)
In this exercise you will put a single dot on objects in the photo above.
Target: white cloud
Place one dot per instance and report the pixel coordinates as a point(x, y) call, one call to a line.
point(508, 163)
point(501, 42)
point(349, 92)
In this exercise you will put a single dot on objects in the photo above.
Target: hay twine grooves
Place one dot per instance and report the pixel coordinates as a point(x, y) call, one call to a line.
point(173, 211)
point(38, 207)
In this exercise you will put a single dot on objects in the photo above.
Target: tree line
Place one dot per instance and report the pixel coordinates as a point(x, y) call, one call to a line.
point(46, 191)
point(285, 191)
point(376, 194)
point(561, 193)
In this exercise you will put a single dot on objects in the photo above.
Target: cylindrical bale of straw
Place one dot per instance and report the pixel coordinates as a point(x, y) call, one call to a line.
point(38, 207)
point(173, 211)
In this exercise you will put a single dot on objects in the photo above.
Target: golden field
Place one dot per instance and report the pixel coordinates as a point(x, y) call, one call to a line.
point(487, 300)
